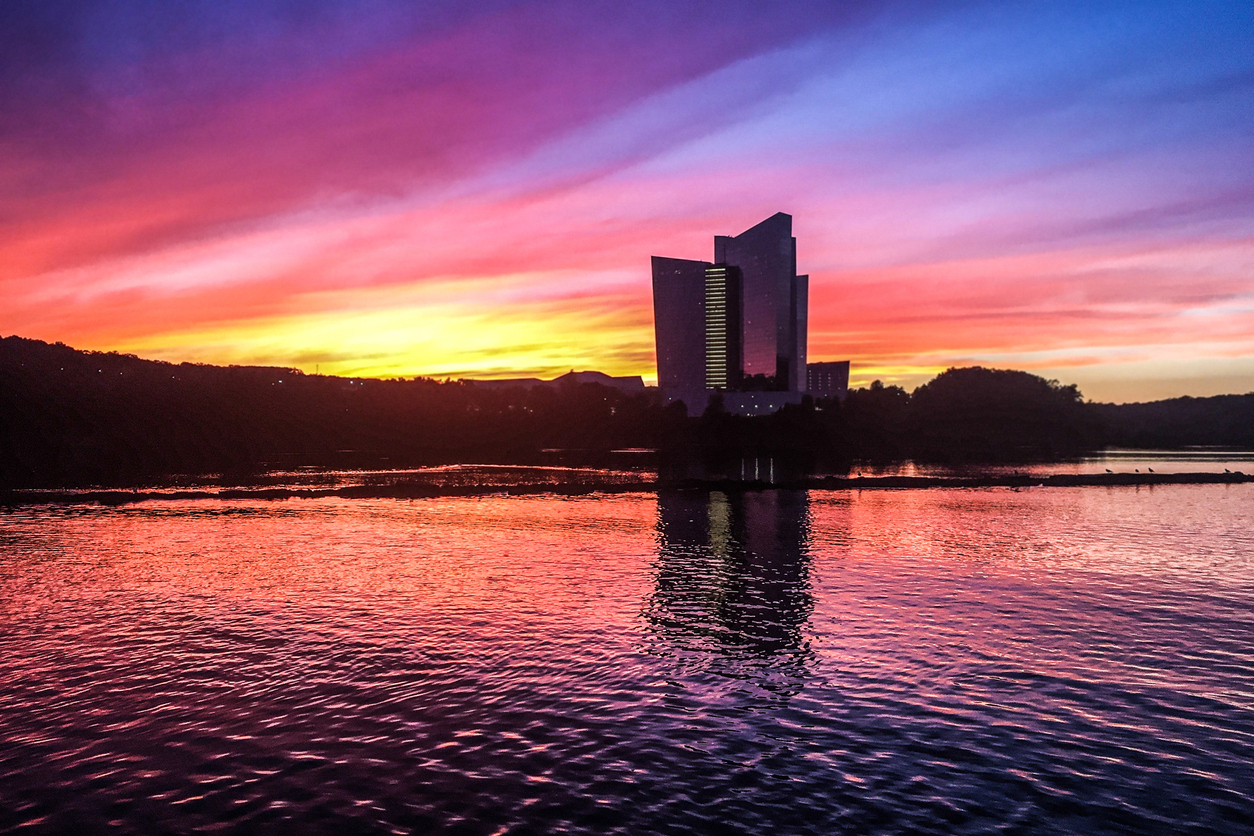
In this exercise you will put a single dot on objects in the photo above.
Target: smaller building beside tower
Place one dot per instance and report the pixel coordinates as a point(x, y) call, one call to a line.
point(679, 327)
point(828, 380)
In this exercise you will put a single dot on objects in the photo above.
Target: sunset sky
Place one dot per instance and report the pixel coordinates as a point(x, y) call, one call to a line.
point(395, 188)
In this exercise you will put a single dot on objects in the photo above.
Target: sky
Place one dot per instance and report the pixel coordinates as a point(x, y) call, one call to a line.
point(454, 189)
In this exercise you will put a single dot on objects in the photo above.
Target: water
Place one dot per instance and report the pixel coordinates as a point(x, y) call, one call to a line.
point(765, 468)
point(441, 477)
point(930, 661)
point(1114, 460)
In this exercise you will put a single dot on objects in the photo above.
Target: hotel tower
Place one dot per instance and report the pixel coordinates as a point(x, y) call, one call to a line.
point(736, 324)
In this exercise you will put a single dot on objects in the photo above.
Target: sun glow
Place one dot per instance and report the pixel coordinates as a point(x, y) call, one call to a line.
point(431, 340)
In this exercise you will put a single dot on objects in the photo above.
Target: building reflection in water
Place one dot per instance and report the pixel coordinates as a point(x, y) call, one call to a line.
point(733, 577)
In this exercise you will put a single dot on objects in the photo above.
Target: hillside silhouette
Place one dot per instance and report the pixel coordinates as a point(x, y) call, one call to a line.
point(69, 417)
point(76, 418)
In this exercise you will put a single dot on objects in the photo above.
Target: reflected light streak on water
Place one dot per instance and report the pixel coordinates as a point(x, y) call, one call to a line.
point(1052, 660)
point(1195, 460)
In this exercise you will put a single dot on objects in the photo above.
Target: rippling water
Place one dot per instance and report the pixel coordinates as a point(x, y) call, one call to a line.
point(1194, 460)
point(945, 661)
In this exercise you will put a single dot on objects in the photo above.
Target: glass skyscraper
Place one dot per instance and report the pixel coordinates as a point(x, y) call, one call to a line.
point(736, 323)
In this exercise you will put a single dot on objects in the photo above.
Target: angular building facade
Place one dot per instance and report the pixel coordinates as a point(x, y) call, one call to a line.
point(679, 326)
point(828, 380)
point(775, 314)
point(736, 323)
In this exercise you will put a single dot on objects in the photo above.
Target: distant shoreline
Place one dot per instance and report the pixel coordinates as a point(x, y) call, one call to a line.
point(114, 496)
point(74, 418)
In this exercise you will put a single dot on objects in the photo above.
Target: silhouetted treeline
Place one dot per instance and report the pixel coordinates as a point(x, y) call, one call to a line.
point(82, 418)
point(963, 415)
point(987, 414)
point(71, 418)
point(1219, 421)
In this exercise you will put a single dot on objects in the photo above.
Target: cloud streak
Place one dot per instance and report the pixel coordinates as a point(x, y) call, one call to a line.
point(248, 182)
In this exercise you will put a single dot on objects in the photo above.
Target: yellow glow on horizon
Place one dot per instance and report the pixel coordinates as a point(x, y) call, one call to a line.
point(906, 376)
point(546, 323)
point(451, 340)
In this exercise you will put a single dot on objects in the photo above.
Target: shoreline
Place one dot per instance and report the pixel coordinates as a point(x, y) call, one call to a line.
point(120, 496)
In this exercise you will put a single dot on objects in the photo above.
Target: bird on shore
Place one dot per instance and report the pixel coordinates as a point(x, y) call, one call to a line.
point(1150, 469)
point(1226, 470)
point(1136, 469)
point(1108, 470)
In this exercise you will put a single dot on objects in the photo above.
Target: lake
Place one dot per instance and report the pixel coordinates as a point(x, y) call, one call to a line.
point(1052, 660)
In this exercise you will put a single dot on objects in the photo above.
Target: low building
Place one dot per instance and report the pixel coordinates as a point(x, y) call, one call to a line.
point(631, 384)
point(828, 380)
point(628, 384)
point(759, 403)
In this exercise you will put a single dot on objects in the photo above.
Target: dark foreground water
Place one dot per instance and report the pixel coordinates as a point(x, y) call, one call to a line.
point(946, 661)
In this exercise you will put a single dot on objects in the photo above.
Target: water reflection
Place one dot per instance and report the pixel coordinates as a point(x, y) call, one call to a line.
point(732, 578)
point(975, 661)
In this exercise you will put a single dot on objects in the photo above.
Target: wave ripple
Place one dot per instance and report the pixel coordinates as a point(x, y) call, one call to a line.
point(963, 661)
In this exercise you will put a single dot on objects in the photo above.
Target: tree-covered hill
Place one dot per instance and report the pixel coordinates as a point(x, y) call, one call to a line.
point(1219, 421)
point(73, 417)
